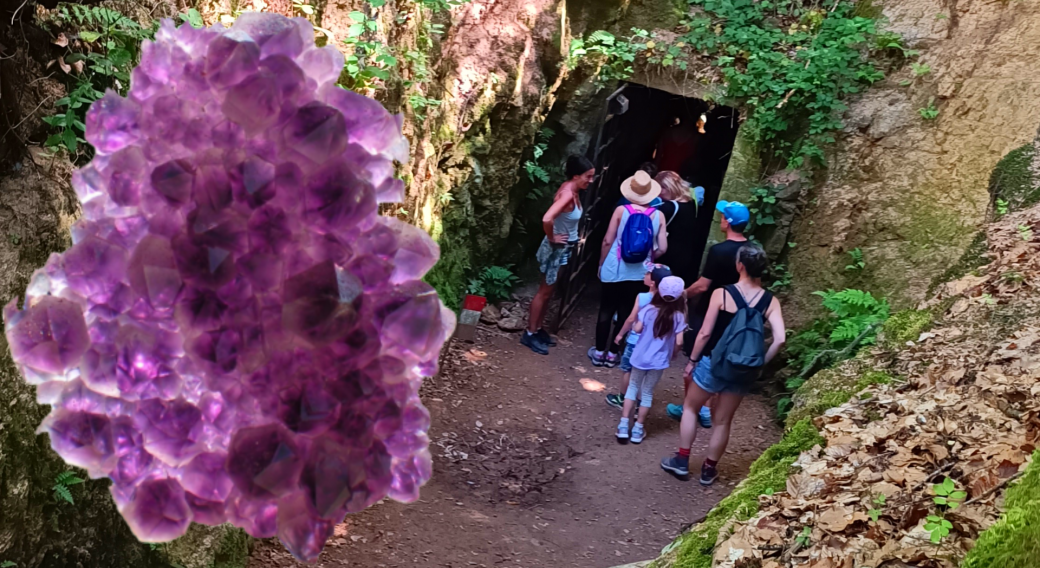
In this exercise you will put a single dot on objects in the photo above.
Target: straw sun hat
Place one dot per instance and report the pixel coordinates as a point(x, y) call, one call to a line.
point(640, 189)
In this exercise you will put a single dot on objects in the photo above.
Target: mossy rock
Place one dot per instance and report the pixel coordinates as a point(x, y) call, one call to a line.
point(833, 387)
point(1014, 541)
point(768, 474)
point(974, 257)
point(223, 546)
point(904, 326)
point(1013, 181)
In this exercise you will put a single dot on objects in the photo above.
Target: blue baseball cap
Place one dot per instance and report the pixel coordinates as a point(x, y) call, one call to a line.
point(735, 212)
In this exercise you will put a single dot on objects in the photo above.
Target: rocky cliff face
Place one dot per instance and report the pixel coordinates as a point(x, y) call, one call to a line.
point(909, 191)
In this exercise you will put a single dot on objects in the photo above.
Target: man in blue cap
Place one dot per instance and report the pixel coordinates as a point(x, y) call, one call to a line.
point(720, 270)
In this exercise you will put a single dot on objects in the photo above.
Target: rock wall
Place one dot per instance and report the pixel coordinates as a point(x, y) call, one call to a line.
point(908, 191)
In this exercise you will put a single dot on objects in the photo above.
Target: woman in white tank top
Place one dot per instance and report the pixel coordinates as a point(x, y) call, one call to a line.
point(561, 234)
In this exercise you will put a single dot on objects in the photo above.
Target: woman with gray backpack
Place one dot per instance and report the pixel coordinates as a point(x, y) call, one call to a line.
point(728, 356)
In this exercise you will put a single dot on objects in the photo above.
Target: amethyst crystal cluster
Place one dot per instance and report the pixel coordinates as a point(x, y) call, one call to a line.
point(236, 335)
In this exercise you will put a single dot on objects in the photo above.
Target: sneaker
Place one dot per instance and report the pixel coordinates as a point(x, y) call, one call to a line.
point(674, 411)
point(616, 400)
point(597, 361)
point(704, 418)
point(622, 433)
point(708, 474)
point(612, 360)
point(545, 338)
point(637, 433)
point(529, 339)
point(677, 466)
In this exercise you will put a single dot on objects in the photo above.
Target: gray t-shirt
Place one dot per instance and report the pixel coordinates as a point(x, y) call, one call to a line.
point(653, 353)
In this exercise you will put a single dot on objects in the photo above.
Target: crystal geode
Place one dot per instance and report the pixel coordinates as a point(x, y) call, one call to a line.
point(236, 334)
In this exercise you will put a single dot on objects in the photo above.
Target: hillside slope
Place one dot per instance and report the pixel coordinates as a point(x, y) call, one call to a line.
point(961, 405)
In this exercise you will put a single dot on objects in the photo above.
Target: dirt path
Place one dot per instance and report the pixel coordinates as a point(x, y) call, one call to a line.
point(527, 471)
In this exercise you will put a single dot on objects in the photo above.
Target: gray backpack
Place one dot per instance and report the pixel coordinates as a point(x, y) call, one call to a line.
point(741, 352)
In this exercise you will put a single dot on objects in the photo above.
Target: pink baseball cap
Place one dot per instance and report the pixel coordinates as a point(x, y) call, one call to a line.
point(671, 287)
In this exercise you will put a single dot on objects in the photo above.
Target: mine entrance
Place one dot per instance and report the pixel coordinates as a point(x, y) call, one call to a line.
point(642, 124)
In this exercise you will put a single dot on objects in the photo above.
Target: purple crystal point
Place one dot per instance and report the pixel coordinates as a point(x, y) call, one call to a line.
point(158, 511)
point(236, 334)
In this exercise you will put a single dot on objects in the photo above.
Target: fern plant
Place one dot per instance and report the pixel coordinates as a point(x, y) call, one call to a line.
point(62, 482)
point(495, 283)
point(854, 315)
point(105, 46)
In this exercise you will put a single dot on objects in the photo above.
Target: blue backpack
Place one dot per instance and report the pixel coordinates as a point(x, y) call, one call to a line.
point(637, 238)
point(741, 351)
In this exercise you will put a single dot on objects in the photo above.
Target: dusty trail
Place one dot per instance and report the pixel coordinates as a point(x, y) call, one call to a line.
point(527, 471)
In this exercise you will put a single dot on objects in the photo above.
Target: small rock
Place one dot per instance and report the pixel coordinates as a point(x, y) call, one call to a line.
point(491, 314)
point(511, 323)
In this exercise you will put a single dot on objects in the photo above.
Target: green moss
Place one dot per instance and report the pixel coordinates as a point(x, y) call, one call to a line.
point(449, 275)
point(868, 9)
point(1013, 181)
point(222, 546)
point(903, 326)
point(1014, 541)
point(973, 257)
point(872, 378)
point(233, 551)
point(768, 474)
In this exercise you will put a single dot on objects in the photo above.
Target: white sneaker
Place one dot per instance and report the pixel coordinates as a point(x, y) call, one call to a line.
point(622, 433)
point(637, 433)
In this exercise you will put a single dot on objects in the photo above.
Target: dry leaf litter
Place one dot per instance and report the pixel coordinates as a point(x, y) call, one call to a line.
point(965, 408)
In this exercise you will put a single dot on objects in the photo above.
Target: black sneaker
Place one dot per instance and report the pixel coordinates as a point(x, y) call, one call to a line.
point(708, 475)
point(529, 339)
point(545, 338)
point(616, 400)
point(677, 466)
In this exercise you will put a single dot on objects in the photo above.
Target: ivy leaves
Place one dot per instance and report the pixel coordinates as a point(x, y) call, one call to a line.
point(791, 65)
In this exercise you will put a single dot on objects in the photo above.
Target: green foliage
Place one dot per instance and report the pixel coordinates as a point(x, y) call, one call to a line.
point(857, 263)
point(616, 56)
point(804, 537)
point(791, 63)
point(852, 312)
point(763, 207)
point(1014, 540)
point(937, 528)
point(419, 103)
point(920, 69)
point(495, 283)
point(778, 277)
point(768, 472)
point(875, 512)
point(947, 495)
point(62, 482)
point(929, 112)
point(105, 48)
point(1002, 207)
point(192, 18)
point(544, 177)
point(7, 564)
point(1024, 232)
point(367, 61)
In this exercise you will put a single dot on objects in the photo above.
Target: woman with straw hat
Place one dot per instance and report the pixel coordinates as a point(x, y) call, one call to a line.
point(634, 238)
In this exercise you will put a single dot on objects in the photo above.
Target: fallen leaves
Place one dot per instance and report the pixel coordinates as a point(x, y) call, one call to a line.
point(913, 471)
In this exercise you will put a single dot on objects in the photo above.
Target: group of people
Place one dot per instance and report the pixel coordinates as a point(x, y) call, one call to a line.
point(653, 305)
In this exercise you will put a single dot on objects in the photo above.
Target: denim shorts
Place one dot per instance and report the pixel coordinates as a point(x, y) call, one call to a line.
point(626, 365)
point(705, 379)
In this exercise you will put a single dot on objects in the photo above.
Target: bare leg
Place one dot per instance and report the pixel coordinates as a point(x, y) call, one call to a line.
point(539, 305)
point(725, 409)
point(695, 399)
point(643, 411)
point(624, 383)
point(626, 411)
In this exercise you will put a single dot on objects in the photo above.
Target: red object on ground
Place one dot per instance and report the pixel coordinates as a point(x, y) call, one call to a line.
point(475, 303)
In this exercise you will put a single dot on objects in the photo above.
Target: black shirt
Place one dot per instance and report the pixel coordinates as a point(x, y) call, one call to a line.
point(721, 269)
point(681, 232)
